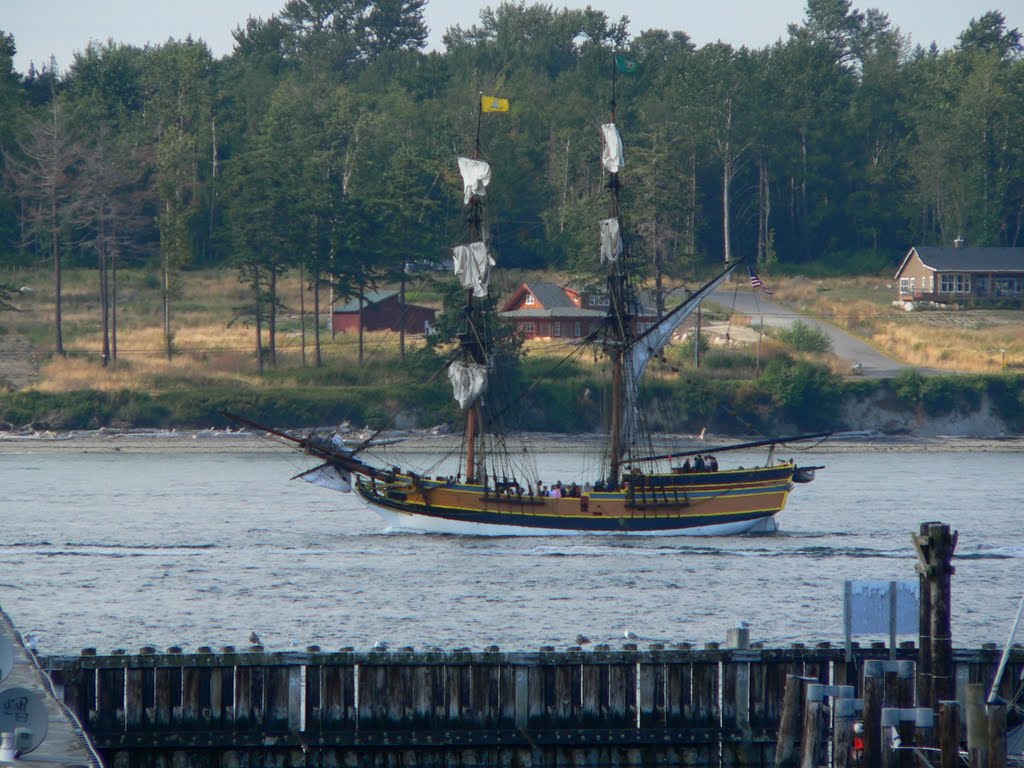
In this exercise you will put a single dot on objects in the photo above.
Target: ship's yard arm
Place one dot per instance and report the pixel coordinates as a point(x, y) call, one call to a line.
point(773, 441)
point(320, 448)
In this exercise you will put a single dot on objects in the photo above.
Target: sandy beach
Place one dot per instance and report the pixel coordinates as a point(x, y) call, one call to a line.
point(223, 441)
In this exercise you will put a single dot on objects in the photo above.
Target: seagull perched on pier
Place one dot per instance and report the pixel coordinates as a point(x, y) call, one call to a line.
point(254, 638)
point(629, 634)
point(582, 639)
point(380, 645)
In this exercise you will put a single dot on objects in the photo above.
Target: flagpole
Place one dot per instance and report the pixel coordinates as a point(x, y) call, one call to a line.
point(479, 116)
point(613, 86)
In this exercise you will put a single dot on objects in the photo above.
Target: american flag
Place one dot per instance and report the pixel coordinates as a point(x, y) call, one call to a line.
point(755, 282)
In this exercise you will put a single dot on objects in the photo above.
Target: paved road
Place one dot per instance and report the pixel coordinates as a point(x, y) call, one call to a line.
point(758, 305)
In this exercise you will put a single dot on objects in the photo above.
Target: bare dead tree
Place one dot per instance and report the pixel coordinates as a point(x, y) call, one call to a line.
point(41, 174)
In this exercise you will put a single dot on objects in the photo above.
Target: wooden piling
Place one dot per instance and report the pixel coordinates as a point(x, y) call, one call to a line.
point(949, 734)
point(815, 713)
point(842, 734)
point(924, 614)
point(872, 715)
point(996, 717)
point(977, 725)
point(786, 755)
point(935, 546)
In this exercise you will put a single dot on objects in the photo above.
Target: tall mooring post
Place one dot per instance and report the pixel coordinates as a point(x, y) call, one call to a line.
point(935, 545)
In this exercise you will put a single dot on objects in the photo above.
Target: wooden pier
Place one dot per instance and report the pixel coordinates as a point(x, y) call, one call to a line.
point(671, 706)
point(64, 743)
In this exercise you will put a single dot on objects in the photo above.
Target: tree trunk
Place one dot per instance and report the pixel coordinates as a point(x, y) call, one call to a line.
point(726, 181)
point(804, 239)
point(361, 323)
point(272, 318)
point(113, 307)
point(763, 210)
point(317, 359)
point(258, 305)
point(401, 316)
point(101, 247)
point(55, 247)
point(302, 315)
point(165, 265)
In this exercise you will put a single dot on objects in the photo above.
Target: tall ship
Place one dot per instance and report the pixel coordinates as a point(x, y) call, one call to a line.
point(497, 489)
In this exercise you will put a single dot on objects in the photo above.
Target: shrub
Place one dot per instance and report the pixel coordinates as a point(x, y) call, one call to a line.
point(804, 337)
point(809, 394)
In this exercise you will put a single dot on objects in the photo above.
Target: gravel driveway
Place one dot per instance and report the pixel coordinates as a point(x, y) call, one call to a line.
point(863, 358)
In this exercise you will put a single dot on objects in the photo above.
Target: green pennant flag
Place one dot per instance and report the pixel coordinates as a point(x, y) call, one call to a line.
point(624, 65)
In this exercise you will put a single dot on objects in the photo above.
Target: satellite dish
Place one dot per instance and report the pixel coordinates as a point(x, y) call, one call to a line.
point(23, 713)
point(6, 657)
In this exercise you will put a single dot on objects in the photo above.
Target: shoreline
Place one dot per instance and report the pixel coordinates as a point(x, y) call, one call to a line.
point(225, 441)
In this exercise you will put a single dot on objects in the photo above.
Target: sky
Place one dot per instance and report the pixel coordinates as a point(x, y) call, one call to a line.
point(61, 27)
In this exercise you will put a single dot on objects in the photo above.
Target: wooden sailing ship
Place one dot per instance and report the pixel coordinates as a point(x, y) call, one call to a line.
point(495, 492)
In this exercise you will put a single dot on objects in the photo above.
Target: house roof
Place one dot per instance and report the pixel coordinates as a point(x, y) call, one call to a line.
point(369, 299)
point(548, 295)
point(552, 296)
point(944, 259)
point(571, 312)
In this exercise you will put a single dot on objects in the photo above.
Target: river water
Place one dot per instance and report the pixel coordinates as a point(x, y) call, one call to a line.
point(195, 547)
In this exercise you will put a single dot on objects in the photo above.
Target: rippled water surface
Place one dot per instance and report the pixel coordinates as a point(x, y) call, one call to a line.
point(193, 548)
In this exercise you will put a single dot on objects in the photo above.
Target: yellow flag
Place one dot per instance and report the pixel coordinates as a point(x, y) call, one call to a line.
point(493, 104)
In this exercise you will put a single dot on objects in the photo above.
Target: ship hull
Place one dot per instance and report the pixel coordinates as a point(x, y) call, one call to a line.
point(705, 504)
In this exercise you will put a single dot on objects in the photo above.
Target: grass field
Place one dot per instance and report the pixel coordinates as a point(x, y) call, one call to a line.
point(213, 347)
point(964, 341)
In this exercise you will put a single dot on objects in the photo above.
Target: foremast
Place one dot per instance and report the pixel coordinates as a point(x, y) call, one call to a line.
point(472, 263)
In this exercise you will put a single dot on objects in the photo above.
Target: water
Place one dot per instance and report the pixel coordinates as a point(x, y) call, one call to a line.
point(193, 548)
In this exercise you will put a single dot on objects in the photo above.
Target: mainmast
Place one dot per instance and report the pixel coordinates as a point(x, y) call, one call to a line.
point(620, 318)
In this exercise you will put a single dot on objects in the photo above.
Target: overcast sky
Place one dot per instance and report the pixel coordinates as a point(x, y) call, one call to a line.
point(60, 27)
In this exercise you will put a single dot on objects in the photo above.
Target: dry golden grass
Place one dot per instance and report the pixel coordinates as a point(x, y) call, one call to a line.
point(212, 346)
point(967, 341)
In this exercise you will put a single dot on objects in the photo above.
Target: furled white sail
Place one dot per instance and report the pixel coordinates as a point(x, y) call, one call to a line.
point(611, 154)
point(611, 240)
point(329, 476)
point(476, 175)
point(468, 381)
point(473, 266)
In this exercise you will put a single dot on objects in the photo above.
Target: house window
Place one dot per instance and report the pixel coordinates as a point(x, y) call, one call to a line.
point(598, 301)
point(981, 286)
point(526, 327)
point(955, 283)
point(556, 328)
point(912, 286)
point(577, 330)
point(530, 300)
point(905, 286)
point(1008, 286)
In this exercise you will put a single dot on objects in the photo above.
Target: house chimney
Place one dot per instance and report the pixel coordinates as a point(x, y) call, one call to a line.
point(958, 242)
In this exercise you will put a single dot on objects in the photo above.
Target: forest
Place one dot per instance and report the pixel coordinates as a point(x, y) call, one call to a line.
point(324, 146)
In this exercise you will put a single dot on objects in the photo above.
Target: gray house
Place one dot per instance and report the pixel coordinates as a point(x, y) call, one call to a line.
point(963, 276)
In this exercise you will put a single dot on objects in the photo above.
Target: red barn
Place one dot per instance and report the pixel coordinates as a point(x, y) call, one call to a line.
point(381, 311)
